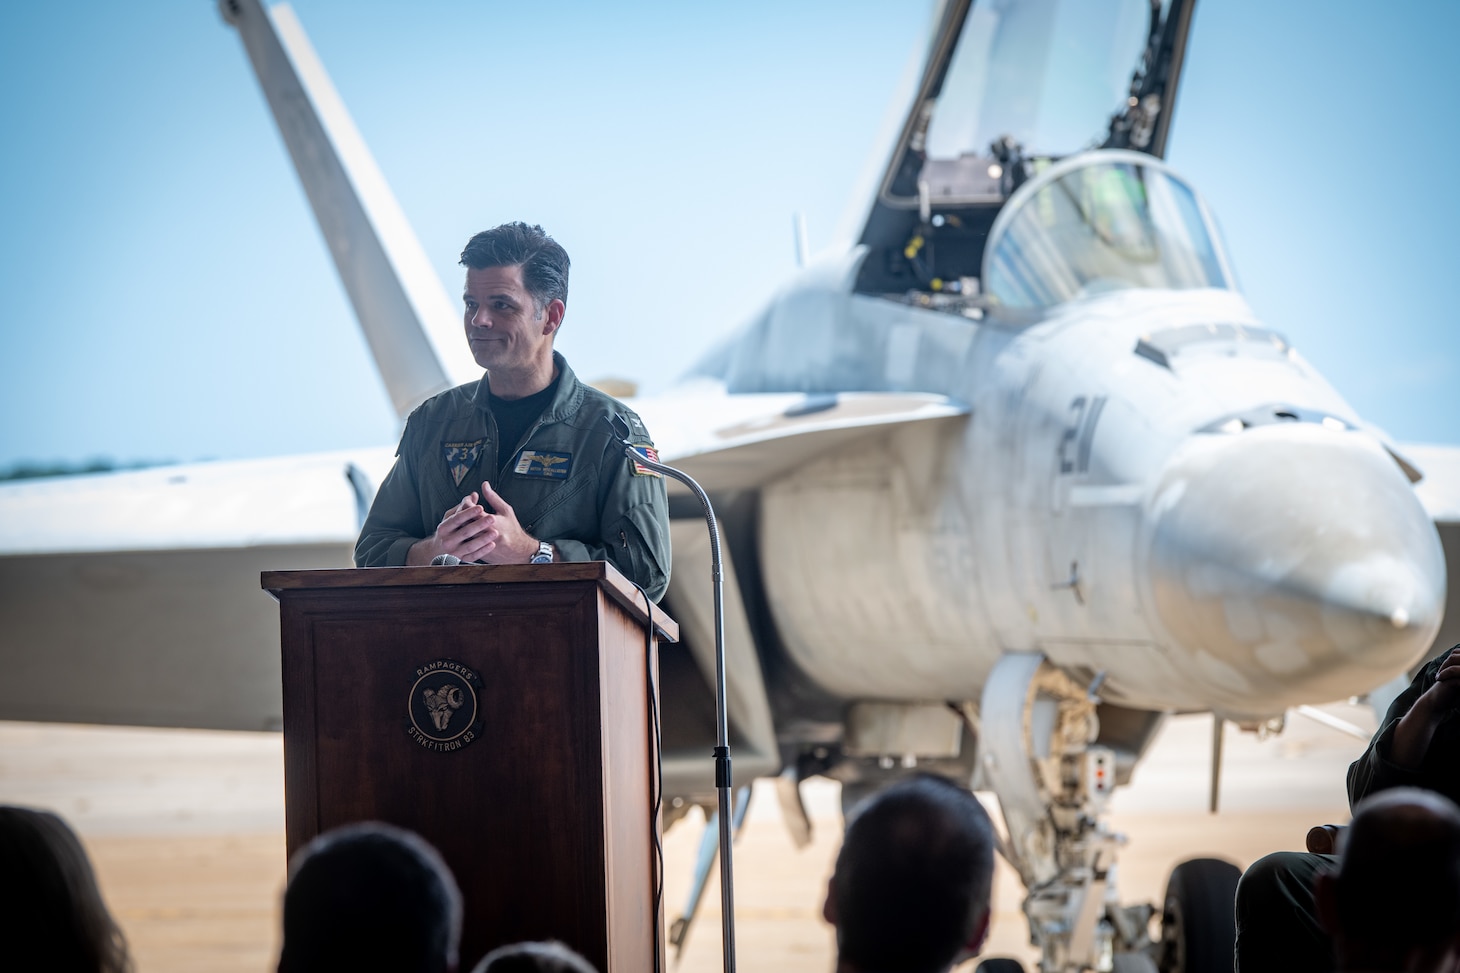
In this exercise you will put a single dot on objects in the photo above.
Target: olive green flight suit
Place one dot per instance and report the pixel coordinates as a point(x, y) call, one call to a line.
point(568, 481)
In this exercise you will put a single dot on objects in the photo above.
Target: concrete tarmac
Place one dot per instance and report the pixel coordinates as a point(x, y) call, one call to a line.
point(186, 831)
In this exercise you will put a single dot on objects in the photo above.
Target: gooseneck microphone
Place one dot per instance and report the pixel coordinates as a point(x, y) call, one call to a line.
point(445, 559)
point(723, 788)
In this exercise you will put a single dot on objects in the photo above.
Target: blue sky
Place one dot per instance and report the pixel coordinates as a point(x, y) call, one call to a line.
point(164, 292)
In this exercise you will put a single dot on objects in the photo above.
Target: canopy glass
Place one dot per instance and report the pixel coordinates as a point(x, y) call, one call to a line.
point(1102, 225)
point(1048, 74)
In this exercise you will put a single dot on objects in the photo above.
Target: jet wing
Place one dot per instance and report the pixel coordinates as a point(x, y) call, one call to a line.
point(315, 499)
point(733, 442)
point(134, 597)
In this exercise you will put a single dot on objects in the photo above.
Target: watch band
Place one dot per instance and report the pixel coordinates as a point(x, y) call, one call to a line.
point(544, 554)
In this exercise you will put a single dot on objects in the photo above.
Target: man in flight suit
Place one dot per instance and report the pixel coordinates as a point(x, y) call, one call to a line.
point(555, 483)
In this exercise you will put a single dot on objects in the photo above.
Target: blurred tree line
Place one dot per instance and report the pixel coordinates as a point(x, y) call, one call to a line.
point(34, 469)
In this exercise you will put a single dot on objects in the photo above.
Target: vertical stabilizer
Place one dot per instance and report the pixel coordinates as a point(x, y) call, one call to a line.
point(409, 322)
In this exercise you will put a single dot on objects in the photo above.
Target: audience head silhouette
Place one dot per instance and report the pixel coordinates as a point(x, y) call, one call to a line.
point(370, 897)
point(1394, 902)
point(545, 957)
point(910, 891)
point(54, 918)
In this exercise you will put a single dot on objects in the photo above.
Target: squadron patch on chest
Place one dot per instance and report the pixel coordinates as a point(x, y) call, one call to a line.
point(549, 466)
point(461, 457)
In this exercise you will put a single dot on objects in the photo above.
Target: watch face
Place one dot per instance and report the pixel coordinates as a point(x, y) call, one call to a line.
point(542, 559)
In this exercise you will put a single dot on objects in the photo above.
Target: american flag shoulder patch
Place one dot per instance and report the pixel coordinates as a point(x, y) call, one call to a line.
point(648, 452)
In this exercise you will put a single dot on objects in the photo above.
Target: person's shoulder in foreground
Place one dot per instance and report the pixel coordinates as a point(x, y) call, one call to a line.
point(54, 917)
point(1393, 904)
point(910, 890)
point(1418, 742)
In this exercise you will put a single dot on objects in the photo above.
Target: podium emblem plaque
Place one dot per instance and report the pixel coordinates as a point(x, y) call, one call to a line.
point(443, 704)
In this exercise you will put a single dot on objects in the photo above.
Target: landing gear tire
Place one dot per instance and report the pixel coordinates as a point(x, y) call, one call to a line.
point(999, 964)
point(1198, 929)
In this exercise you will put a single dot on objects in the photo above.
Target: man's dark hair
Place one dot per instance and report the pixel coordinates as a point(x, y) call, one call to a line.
point(544, 263)
point(1398, 883)
point(544, 957)
point(369, 897)
point(913, 877)
point(54, 917)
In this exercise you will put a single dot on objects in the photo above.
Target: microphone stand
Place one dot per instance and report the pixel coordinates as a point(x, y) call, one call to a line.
point(723, 789)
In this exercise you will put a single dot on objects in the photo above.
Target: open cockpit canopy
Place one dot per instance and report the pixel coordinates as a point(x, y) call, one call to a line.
point(1101, 222)
point(1009, 88)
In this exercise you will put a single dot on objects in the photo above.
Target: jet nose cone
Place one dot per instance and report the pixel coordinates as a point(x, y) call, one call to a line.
point(1293, 565)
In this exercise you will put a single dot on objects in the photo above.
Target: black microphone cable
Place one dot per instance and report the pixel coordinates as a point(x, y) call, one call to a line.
point(656, 772)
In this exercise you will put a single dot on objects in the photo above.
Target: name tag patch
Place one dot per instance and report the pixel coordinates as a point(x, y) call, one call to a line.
point(461, 457)
point(648, 452)
point(550, 466)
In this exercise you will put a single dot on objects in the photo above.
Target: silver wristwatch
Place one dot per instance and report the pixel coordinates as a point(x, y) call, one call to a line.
point(544, 554)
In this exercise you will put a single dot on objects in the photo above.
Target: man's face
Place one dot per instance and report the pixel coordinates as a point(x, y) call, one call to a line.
point(503, 325)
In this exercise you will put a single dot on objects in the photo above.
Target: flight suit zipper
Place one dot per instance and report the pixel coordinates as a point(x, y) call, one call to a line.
point(526, 438)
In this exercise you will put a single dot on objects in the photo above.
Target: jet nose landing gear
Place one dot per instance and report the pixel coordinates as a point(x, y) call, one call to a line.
point(1038, 752)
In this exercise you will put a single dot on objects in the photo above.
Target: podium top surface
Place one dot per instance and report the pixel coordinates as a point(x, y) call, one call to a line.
point(614, 584)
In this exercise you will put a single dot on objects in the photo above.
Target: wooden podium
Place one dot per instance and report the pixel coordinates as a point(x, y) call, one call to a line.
point(505, 714)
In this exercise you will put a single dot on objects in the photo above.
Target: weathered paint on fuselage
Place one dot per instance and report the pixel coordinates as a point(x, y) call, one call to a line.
point(1081, 510)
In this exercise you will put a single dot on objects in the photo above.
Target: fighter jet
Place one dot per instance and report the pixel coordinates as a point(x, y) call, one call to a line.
point(1002, 482)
